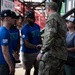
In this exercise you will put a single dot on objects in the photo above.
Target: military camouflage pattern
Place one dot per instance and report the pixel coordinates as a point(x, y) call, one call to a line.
point(55, 37)
point(54, 46)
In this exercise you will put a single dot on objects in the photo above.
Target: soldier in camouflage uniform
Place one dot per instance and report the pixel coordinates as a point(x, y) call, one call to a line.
point(53, 52)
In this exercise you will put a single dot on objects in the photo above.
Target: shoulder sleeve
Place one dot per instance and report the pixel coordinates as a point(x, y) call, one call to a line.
point(37, 26)
point(52, 25)
point(38, 30)
point(50, 34)
point(5, 39)
point(24, 33)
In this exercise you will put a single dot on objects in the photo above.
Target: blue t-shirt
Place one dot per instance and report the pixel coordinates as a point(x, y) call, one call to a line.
point(5, 41)
point(14, 36)
point(32, 34)
point(70, 40)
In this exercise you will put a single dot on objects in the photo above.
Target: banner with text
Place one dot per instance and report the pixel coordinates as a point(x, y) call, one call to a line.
point(7, 4)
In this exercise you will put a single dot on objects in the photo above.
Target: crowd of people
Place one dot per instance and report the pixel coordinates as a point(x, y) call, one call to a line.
point(54, 55)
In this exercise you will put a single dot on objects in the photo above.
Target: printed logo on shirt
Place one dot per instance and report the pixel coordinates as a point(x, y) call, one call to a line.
point(35, 33)
point(5, 40)
point(14, 36)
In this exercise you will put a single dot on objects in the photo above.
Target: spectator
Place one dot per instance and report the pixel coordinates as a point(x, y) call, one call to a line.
point(19, 22)
point(6, 57)
point(31, 43)
point(53, 52)
point(15, 39)
point(70, 40)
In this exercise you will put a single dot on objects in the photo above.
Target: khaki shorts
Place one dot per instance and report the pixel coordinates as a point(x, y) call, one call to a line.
point(29, 60)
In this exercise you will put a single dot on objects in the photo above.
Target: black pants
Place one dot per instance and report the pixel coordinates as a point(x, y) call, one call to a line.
point(4, 69)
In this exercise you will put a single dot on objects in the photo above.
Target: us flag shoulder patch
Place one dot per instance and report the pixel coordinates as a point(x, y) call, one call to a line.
point(5, 40)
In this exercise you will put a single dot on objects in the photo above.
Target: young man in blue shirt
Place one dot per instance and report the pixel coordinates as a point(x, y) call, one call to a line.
point(15, 39)
point(31, 43)
point(6, 57)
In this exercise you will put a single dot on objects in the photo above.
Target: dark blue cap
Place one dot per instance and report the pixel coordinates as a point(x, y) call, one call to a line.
point(6, 13)
point(14, 15)
point(29, 14)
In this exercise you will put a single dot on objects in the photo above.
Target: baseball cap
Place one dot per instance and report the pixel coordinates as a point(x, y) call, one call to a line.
point(6, 13)
point(71, 19)
point(29, 14)
point(14, 15)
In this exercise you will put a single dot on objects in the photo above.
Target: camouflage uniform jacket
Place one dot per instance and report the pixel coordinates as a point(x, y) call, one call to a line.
point(54, 40)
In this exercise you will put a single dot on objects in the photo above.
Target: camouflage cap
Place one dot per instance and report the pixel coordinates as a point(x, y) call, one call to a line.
point(51, 4)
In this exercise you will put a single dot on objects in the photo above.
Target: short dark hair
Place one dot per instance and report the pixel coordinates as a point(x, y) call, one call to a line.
point(53, 8)
point(52, 5)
